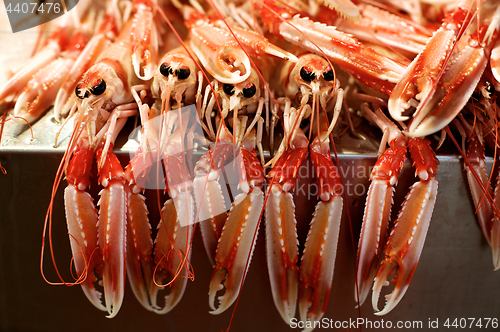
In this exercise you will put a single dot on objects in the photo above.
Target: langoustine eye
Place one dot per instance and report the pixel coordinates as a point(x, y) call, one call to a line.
point(99, 87)
point(306, 74)
point(228, 89)
point(249, 90)
point(183, 73)
point(328, 74)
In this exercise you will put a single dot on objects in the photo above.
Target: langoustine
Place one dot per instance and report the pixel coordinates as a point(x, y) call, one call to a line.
point(493, 38)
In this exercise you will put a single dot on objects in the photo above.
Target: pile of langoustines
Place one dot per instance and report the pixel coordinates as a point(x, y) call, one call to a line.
point(240, 78)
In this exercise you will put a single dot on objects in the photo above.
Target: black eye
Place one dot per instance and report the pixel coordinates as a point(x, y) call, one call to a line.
point(165, 69)
point(249, 91)
point(490, 88)
point(81, 92)
point(99, 87)
point(307, 75)
point(328, 75)
point(228, 89)
point(182, 73)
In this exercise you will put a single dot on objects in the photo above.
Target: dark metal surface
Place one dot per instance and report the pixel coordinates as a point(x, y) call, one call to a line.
point(454, 278)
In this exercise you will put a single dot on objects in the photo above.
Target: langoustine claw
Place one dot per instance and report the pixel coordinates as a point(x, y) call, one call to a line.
point(425, 70)
point(175, 230)
point(384, 177)
point(318, 259)
point(81, 219)
point(172, 254)
point(371, 68)
point(140, 265)
point(445, 73)
point(208, 192)
point(281, 232)
point(41, 90)
point(55, 44)
point(144, 39)
point(98, 241)
point(112, 230)
point(485, 201)
point(380, 27)
point(238, 237)
point(216, 49)
point(407, 237)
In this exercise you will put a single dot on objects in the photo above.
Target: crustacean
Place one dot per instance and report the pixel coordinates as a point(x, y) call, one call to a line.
point(437, 75)
point(229, 238)
point(39, 81)
point(478, 136)
point(105, 100)
point(114, 82)
point(312, 76)
point(163, 134)
point(405, 242)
